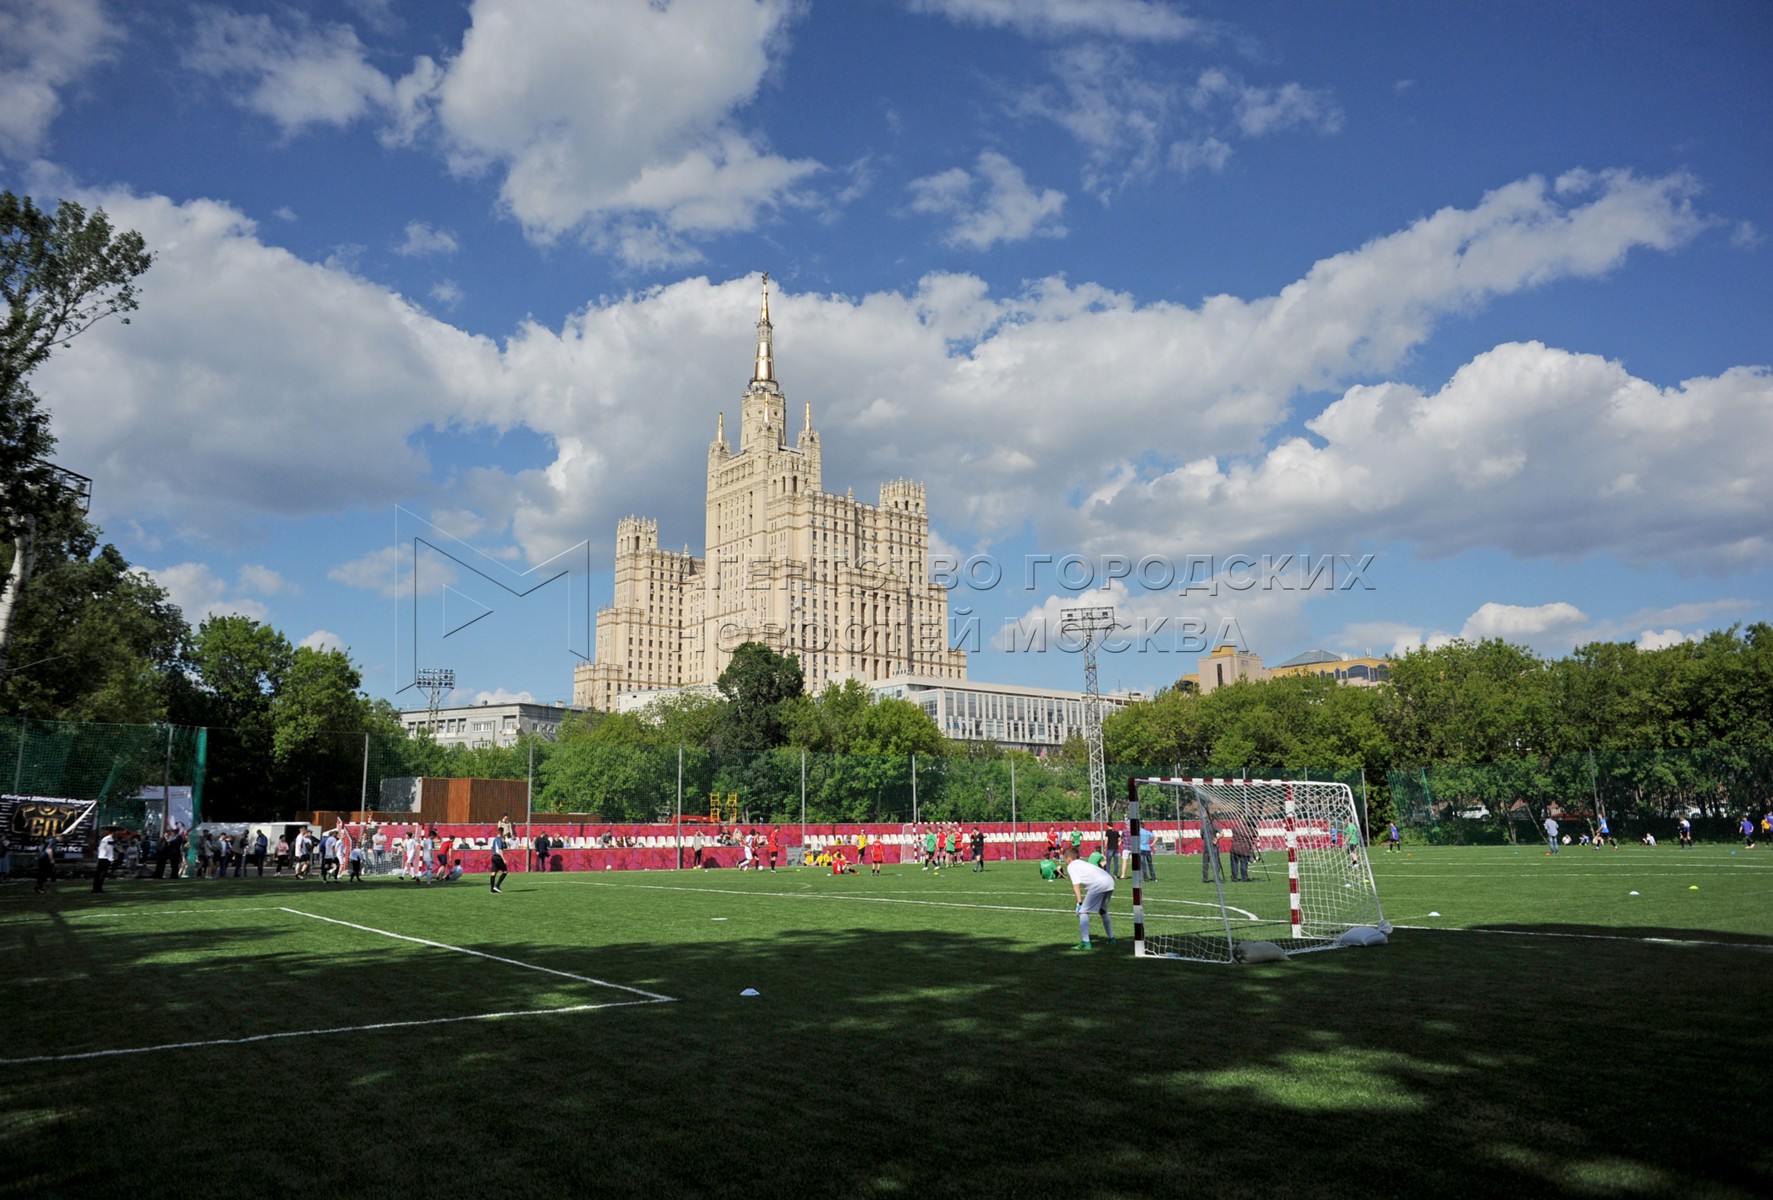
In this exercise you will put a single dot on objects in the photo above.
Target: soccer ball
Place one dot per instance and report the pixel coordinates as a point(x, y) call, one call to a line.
point(607, 866)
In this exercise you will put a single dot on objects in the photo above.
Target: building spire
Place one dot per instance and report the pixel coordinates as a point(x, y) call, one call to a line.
point(765, 371)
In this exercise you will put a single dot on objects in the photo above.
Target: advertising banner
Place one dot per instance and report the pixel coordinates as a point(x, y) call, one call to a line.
point(27, 820)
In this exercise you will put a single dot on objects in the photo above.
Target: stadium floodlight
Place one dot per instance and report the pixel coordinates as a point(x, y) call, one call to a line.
point(1288, 862)
point(436, 682)
point(77, 486)
point(1092, 625)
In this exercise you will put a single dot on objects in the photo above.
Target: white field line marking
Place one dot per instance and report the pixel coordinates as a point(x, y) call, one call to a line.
point(1593, 937)
point(297, 1033)
point(1635, 872)
point(1070, 909)
point(655, 997)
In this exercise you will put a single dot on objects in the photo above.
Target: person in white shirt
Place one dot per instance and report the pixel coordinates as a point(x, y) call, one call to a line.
point(107, 855)
point(303, 848)
point(1094, 888)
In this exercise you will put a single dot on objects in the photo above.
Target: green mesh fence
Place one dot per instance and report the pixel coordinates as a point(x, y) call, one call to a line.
point(132, 774)
point(1637, 790)
point(633, 783)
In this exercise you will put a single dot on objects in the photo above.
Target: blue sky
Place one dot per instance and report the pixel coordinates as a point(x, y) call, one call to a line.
point(1481, 290)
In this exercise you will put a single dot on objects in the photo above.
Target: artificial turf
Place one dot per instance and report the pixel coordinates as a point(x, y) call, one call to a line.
point(1546, 1033)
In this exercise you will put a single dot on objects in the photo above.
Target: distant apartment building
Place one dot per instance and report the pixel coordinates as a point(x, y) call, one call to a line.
point(1359, 672)
point(1038, 720)
point(480, 726)
point(1227, 664)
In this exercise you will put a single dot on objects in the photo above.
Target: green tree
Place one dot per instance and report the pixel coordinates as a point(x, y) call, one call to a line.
point(319, 721)
point(94, 640)
point(757, 683)
point(59, 275)
point(685, 718)
point(240, 666)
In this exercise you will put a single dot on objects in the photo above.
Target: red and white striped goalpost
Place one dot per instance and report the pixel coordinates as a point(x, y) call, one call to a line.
point(1292, 835)
point(1138, 867)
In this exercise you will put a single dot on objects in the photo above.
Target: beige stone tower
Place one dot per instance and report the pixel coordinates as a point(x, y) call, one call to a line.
point(842, 585)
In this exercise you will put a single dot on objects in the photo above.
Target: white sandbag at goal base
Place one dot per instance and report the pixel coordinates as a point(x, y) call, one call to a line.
point(1284, 862)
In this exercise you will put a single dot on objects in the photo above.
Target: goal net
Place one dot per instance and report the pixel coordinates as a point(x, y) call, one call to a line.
point(1281, 861)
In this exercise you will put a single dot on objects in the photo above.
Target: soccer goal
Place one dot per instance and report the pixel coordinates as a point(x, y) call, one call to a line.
point(1283, 862)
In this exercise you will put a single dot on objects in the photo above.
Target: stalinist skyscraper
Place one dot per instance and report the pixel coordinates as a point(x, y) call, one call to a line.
point(841, 585)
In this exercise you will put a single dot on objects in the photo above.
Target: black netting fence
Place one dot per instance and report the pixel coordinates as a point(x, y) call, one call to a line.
point(1638, 791)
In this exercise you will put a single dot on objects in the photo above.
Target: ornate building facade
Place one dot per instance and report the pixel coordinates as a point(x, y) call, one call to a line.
point(840, 584)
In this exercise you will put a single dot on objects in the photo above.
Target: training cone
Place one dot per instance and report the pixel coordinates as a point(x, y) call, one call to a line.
point(750, 992)
point(1692, 887)
point(1633, 893)
point(1434, 914)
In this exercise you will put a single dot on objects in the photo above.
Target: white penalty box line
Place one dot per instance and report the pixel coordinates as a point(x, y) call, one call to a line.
point(651, 997)
point(645, 997)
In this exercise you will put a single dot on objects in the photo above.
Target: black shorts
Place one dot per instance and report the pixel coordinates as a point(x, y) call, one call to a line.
point(498, 864)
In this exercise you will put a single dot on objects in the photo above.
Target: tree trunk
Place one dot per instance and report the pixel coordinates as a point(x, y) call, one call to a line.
point(23, 552)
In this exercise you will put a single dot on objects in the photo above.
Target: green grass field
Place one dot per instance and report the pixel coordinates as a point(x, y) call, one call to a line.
point(914, 1036)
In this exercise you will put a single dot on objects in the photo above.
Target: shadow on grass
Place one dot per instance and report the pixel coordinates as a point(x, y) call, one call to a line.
point(883, 1063)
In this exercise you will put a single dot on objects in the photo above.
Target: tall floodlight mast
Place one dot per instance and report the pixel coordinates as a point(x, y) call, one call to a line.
point(1091, 626)
point(436, 683)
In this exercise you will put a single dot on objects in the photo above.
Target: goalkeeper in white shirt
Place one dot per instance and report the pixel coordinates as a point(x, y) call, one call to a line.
point(1094, 888)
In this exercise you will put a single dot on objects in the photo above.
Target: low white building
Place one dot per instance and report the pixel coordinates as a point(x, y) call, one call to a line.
point(479, 726)
point(1039, 720)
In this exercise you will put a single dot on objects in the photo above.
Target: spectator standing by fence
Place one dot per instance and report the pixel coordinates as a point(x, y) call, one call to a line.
point(1243, 849)
point(106, 858)
point(45, 864)
point(1210, 867)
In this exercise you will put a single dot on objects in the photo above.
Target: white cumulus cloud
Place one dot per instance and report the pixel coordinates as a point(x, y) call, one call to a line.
point(46, 47)
point(1515, 622)
point(992, 204)
point(200, 593)
point(422, 239)
point(1139, 20)
point(620, 118)
point(298, 74)
point(299, 388)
